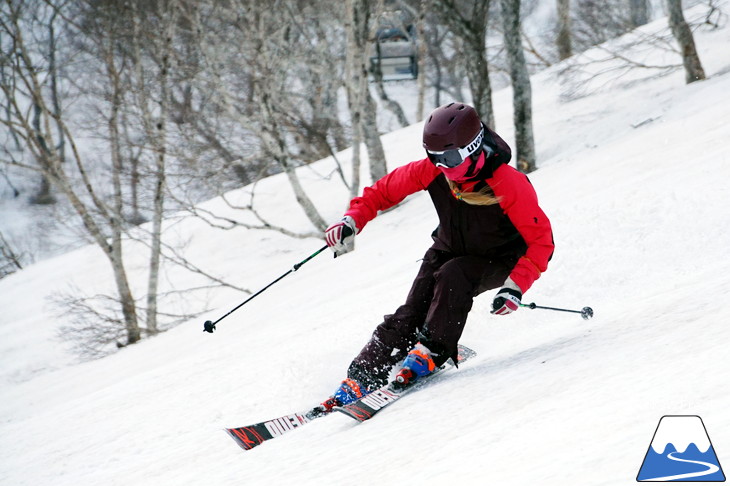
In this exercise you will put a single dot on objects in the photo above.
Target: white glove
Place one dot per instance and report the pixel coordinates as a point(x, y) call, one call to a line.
point(340, 236)
point(507, 299)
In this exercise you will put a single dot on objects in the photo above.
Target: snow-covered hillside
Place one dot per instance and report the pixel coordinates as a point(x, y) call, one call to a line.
point(642, 230)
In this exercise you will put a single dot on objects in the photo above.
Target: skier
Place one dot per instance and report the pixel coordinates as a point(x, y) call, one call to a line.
point(491, 234)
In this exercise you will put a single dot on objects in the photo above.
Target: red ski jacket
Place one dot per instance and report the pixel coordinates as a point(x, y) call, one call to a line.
point(516, 227)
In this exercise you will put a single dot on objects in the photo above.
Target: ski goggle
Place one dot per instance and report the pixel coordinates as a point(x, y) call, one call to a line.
point(455, 157)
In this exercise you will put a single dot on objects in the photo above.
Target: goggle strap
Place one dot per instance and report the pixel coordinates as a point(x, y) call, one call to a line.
point(467, 150)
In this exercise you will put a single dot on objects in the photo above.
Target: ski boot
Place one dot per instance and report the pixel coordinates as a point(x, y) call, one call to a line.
point(418, 363)
point(349, 391)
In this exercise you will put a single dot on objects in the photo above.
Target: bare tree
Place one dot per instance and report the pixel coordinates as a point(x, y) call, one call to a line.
point(361, 103)
point(446, 67)
point(261, 96)
point(468, 20)
point(521, 87)
point(153, 101)
point(425, 7)
point(639, 12)
point(41, 49)
point(127, 54)
point(102, 221)
point(596, 21)
point(9, 259)
point(44, 195)
point(269, 79)
point(564, 38)
point(683, 34)
point(7, 78)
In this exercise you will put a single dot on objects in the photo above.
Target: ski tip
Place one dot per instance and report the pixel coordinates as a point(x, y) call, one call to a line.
point(463, 353)
point(245, 437)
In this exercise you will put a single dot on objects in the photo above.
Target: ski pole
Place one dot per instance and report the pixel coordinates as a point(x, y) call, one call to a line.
point(586, 312)
point(209, 326)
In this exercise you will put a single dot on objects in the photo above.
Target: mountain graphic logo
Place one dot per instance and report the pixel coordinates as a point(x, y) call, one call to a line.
point(681, 451)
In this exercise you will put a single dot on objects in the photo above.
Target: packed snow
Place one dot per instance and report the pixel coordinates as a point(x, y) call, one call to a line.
point(635, 177)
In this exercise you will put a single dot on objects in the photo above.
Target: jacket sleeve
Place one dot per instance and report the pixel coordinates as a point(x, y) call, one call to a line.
point(519, 202)
point(390, 190)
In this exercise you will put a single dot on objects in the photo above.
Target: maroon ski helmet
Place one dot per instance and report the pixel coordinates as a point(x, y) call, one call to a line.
point(451, 126)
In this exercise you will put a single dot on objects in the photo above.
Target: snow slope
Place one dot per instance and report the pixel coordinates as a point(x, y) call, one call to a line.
point(641, 224)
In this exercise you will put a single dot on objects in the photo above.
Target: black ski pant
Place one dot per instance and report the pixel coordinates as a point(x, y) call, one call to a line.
point(434, 313)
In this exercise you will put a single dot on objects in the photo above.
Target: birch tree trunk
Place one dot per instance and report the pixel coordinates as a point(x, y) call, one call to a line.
point(155, 126)
point(477, 66)
point(371, 136)
point(53, 72)
point(353, 86)
point(681, 31)
point(43, 195)
point(116, 90)
point(422, 53)
point(362, 105)
point(564, 39)
point(521, 88)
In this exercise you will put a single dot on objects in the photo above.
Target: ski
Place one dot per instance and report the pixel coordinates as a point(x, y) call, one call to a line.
point(250, 436)
point(366, 407)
